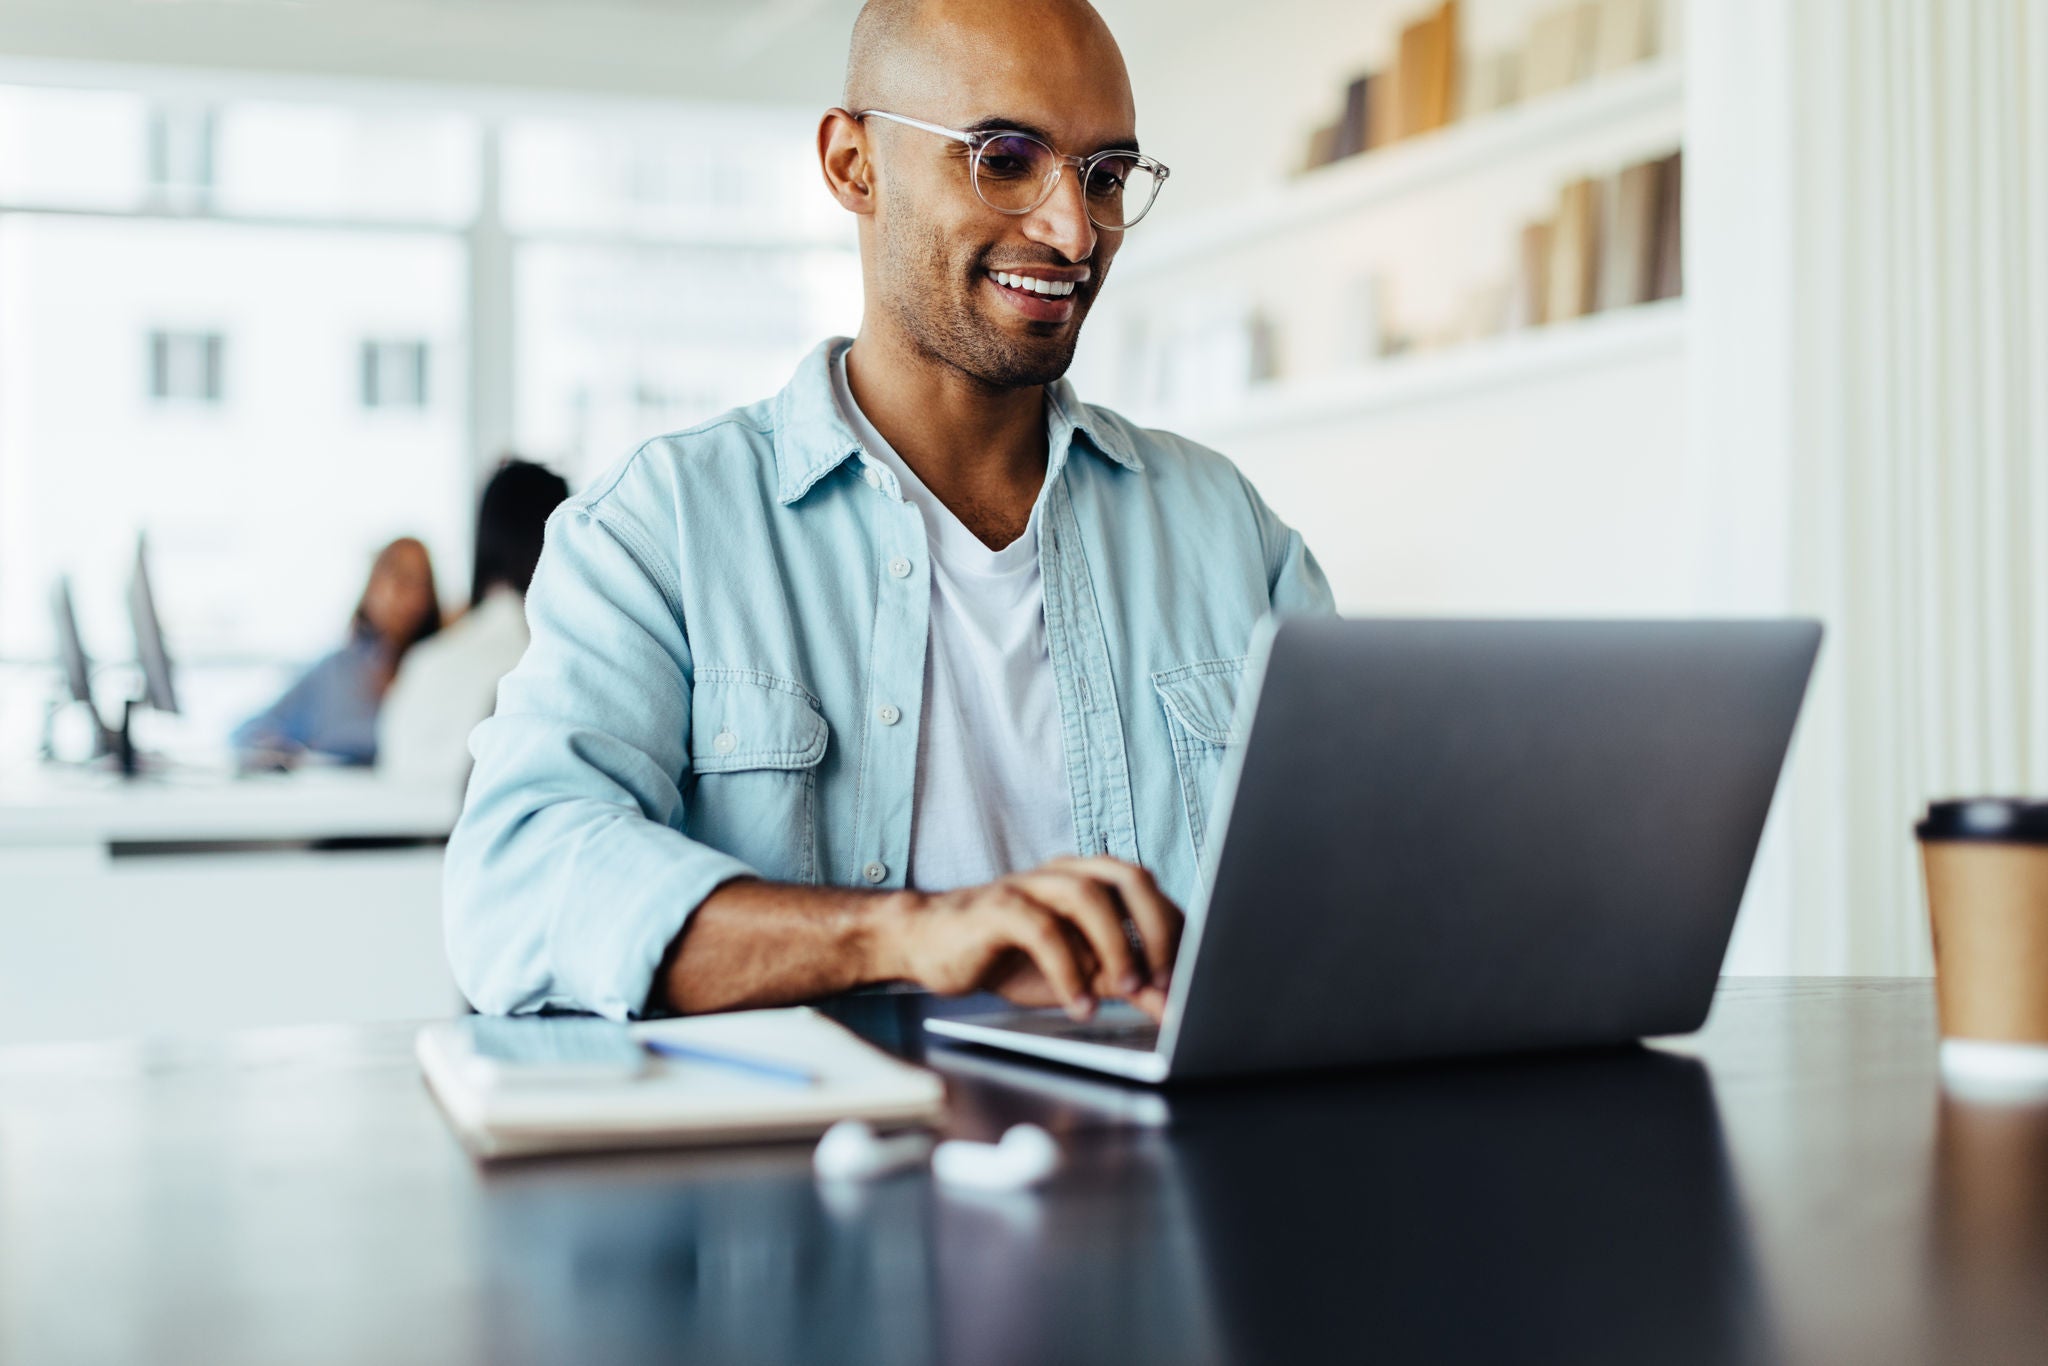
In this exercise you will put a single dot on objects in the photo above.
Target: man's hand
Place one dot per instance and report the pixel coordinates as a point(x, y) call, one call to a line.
point(1060, 935)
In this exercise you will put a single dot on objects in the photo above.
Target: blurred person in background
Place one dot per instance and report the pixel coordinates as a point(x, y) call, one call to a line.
point(331, 709)
point(450, 683)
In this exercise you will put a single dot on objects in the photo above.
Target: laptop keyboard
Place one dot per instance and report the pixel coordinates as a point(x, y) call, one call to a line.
point(1140, 1034)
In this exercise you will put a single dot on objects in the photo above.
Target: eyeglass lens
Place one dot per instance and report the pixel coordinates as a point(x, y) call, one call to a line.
point(1015, 173)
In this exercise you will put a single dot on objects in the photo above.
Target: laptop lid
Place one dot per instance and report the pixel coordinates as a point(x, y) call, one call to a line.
point(1446, 837)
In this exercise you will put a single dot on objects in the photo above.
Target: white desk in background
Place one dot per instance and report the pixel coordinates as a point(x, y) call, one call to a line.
point(191, 901)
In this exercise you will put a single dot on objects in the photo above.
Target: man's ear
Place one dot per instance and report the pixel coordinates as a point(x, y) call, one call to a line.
point(843, 157)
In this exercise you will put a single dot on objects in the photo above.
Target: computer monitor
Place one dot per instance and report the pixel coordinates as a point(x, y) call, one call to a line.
point(158, 691)
point(70, 647)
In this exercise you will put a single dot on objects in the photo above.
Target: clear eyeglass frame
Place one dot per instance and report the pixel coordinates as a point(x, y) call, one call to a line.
point(1083, 166)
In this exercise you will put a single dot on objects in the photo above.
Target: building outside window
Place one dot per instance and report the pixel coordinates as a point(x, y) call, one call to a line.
point(181, 141)
point(394, 374)
point(185, 366)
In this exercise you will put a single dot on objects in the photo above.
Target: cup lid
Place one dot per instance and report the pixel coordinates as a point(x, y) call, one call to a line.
point(2007, 820)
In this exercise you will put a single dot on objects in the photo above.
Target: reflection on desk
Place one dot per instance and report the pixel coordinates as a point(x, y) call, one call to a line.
point(1460, 1214)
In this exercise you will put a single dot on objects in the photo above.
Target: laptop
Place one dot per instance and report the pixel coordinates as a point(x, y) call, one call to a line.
point(1444, 838)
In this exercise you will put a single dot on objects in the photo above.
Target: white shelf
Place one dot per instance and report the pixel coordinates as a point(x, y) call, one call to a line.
point(1624, 335)
point(1388, 172)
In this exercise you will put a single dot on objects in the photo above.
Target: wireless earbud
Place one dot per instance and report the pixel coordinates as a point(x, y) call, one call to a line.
point(1026, 1156)
point(851, 1151)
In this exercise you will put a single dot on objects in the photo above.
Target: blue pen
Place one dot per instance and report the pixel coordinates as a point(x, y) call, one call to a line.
point(787, 1073)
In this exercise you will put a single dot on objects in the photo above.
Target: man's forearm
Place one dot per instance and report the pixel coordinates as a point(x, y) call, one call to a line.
point(754, 943)
point(1055, 935)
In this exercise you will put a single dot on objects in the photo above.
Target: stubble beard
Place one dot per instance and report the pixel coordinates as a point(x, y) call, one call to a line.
point(930, 296)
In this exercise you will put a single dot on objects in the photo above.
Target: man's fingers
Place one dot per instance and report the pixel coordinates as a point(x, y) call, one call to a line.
point(1090, 908)
point(1158, 920)
point(1036, 930)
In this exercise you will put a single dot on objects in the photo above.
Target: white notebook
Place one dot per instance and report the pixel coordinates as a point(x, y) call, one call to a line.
point(680, 1102)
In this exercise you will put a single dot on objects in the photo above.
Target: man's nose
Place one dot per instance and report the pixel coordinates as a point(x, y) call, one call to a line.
point(1061, 222)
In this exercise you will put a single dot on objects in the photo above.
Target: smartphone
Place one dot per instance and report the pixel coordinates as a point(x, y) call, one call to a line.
point(550, 1049)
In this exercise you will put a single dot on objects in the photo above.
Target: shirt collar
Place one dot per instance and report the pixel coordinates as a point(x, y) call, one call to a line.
point(1071, 415)
point(812, 437)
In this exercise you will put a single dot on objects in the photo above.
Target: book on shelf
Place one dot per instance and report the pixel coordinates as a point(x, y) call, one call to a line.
point(1624, 33)
point(1529, 302)
point(1262, 345)
point(1382, 108)
point(1670, 275)
point(1574, 278)
point(1363, 337)
point(1359, 125)
point(1628, 272)
point(1426, 71)
point(1322, 147)
point(1560, 42)
point(1643, 255)
point(1353, 126)
point(1488, 81)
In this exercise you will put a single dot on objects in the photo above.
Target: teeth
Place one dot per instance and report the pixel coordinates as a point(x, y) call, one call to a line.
point(1051, 289)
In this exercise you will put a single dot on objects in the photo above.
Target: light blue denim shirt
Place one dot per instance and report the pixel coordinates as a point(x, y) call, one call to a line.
point(722, 621)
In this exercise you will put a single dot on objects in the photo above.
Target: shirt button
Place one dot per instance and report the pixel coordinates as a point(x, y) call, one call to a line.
point(889, 715)
point(873, 476)
point(874, 872)
point(725, 742)
point(900, 567)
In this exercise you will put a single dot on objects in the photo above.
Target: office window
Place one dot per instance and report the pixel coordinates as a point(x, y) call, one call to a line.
point(117, 150)
point(263, 508)
point(704, 176)
point(82, 149)
point(394, 374)
point(333, 163)
point(620, 343)
point(668, 267)
point(185, 366)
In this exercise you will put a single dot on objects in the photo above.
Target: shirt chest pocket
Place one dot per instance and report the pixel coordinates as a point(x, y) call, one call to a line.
point(755, 745)
point(1200, 703)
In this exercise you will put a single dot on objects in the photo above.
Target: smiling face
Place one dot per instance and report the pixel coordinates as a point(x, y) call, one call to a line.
point(998, 297)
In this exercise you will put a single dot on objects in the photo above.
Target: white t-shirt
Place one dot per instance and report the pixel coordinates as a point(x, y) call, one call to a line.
point(991, 795)
point(446, 685)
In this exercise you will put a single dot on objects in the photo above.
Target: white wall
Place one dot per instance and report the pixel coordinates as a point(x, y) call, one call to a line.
point(1467, 506)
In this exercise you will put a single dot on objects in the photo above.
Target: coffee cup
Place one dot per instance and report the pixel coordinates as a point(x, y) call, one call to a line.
point(1986, 862)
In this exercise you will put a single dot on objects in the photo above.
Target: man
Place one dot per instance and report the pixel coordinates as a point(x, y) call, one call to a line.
point(920, 670)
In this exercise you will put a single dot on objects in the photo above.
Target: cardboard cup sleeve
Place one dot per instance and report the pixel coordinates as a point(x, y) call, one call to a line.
point(1986, 862)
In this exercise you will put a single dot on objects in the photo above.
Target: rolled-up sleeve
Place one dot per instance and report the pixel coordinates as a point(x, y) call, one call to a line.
point(1293, 577)
point(568, 874)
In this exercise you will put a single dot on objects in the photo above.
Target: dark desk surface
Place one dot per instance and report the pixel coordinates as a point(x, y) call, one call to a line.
point(1808, 1195)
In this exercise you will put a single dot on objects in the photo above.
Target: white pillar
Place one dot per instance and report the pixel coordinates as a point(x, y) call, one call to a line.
point(491, 347)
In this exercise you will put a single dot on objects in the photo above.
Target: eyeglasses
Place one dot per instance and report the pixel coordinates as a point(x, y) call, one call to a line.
point(1015, 172)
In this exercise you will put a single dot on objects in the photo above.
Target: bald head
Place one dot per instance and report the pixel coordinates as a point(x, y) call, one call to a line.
point(932, 250)
point(905, 51)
